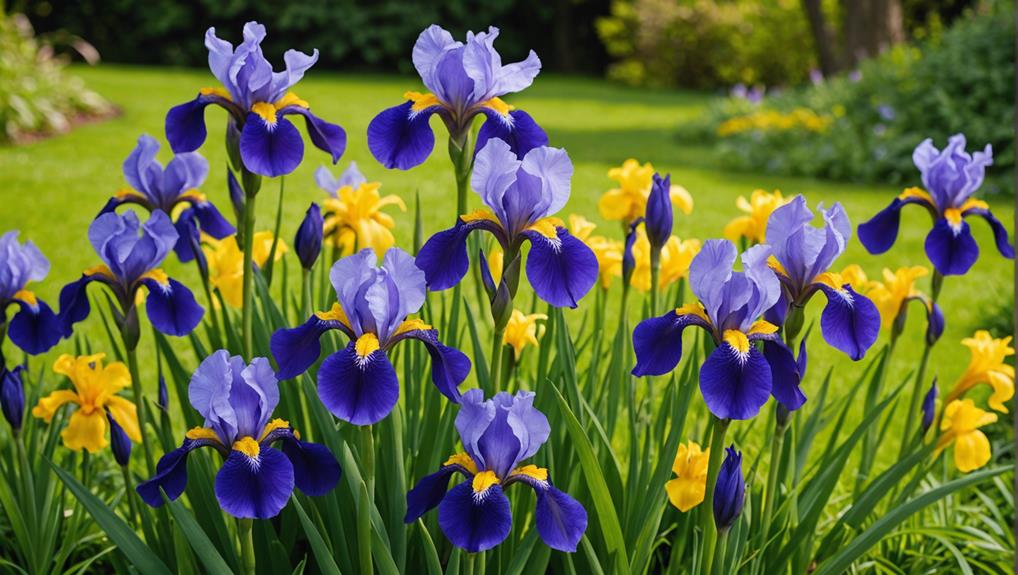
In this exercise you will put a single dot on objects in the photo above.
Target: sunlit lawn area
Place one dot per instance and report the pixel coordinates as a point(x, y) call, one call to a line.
point(52, 189)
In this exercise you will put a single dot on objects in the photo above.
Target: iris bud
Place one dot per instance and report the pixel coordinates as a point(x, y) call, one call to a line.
point(659, 213)
point(628, 260)
point(729, 491)
point(935, 324)
point(929, 406)
point(12, 396)
point(308, 241)
point(486, 277)
point(236, 198)
point(163, 399)
point(120, 444)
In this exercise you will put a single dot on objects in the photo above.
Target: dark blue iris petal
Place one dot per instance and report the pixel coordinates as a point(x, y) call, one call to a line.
point(475, 524)
point(270, 150)
point(657, 342)
point(399, 138)
point(35, 329)
point(785, 374)
point(255, 487)
point(521, 132)
point(734, 385)
point(326, 136)
point(449, 366)
point(358, 390)
point(561, 520)
point(443, 258)
point(1000, 236)
point(952, 252)
point(879, 232)
point(212, 221)
point(428, 493)
point(295, 349)
point(777, 313)
point(850, 322)
point(171, 474)
point(172, 308)
point(315, 469)
point(185, 125)
point(934, 323)
point(74, 305)
point(561, 271)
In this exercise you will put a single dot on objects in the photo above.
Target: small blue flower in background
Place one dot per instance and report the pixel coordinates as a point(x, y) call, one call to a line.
point(950, 177)
point(35, 328)
point(155, 188)
point(131, 252)
point(521, 195)
point(308, 241)
point(256, 479)
point(729, 491)
point(498, 434)
point(258, 100)
point(12, 396)
point(736, 379)
point(358, 383)
point(464, 80)
point(120, 443)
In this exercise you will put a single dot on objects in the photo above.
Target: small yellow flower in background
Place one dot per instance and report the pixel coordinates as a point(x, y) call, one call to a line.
point(961, 423)
point(354, 219)
point(987, 365)
point(226, 262)
point(523, 330)
point(854, 275)
point(753, 225)
point(496, 260)
point(686, 491)
point(629, 201)
point(891, 294)
point(94, 394)
point(676, 255)
point(775, 121)
point(608, 252)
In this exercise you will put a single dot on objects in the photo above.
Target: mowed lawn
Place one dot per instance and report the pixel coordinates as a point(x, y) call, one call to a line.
point(51, 189)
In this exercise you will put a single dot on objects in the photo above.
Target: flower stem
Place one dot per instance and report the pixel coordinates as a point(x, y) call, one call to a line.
point(211, 300)
point(139, 402)
point(722, 549)
point(496, 359)
point(130, 494)
point(912, 430)
point(777, 443)
point(462, 163)
point(247, 311)
point(305, 294)
point(247, 554)
point(710, 533)
point(368, 458)
point(271, 262)
point(655, 273)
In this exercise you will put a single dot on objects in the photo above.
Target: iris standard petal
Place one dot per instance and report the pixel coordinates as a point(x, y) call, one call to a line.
point(270, 149)
point(562, 269)
point(296, 349)
point(657, 342)
point(35, 328)
point(952, 250)
point(141, 170)
point(449, 366)
point(710, 270)
point(519, 130)
point(400, 137)
point(475, 522)
point(255, 487)
point(428, 493)
point(171, 474)
point(1000, 236)
point(850, 322)
point(358, 390)
point(734, 384)
point(326, 136)
point(315, 469)
point(186, 171)
point(171, 307)
point(475, 414)
point(785, 374)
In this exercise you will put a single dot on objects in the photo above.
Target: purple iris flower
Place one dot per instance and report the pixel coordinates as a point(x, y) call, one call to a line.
point(729, 491)
point(155, 188)
point(258, 100)
point(950, 177)
point(256, 479)
point(464, 80)
point(521, 196)
point(34, 327)
point(358, 383)
point(659, 217)
point(803, 255)
point(12, 395)
point(131, 253)
point(736, 379)
point(498, 435)
point(308, 241)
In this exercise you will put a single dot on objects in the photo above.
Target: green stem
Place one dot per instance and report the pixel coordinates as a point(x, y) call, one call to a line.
point(911, 427)
point(130, 495)
point(211, 300)
point(870, 438)
point(139, 402)
point(368, 458)
point(271, 262)
point(247, 554)
point(773, 479)
point(655, 273)
point(722, 549)
point(305, 294)
point(710, 533)
point(462, 164)
point(468, 563)
point(496, 360)
point(247, 312)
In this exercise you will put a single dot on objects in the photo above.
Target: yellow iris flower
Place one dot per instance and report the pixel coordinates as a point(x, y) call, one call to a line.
point(226, 262)
point(523, 330)
point(961, 423)
point(94, 394)
point(891, 294)
point(629, 201)
point(608, 252)
point(987, 365)
point(676, 255)
point(686, 491)
point(354, 219)
point(753, 225)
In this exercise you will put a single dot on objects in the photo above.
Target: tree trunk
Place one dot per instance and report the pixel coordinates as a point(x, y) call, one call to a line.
point(821, 37)
point(870, 27)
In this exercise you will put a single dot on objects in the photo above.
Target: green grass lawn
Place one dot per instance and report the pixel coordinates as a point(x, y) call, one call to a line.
point(52, 189)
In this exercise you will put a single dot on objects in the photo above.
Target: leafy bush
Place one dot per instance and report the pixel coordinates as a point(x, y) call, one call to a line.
point(35, 93)
point(698, 43)
point(961, 81)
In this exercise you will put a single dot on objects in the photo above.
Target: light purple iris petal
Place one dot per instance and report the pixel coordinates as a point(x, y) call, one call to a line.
point(409, 282)
point(19, 264)
point(837, 232)
point(484, 65)
point(297, 63)
point(432, 43)
point(555, 170)
point(184, 172)
point(326, 181)
point(710, 270)
point(347, 276)
point(528, 424)
point(236, 399)
point(501, 432)
point(766, 286)
point(351, 176)
point(803, 250)
point(141, 169)
point(128, 255)
point(495, 168)
point(209, 394)
point(474, 416)
point(951, 175)
point(452, 84)
point(259, 378)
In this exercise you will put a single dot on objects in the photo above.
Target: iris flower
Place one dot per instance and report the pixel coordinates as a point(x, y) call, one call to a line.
point(803, 255)
point(950, 177)
point(523, 330)
point(893, 294)
point(960, 426)
point(498, 434)
point(988, 365)
point(226, 263)
point(353, 213)
point(753, 225)
point(131, 253)
point(358, 383)
point(628, 202)
point(258, 100)
point(12, 395)
point(736, 379)
point(687, 490)
point(34, 327)
point(676, 255)
point(94, 395)
point(155, 188)
point(608, 252)
point(521, 196)
point(730, 490)
point(256, 479)
point(463, 80)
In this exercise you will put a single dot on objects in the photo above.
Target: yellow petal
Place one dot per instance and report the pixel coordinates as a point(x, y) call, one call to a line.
point(48, 406)
point(126, 414)
point(971, 451)
point(86, 431)
point(685, 494)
